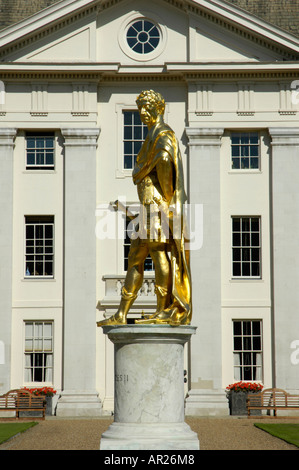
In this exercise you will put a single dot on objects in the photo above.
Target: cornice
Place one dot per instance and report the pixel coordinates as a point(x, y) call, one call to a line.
point(113, 72)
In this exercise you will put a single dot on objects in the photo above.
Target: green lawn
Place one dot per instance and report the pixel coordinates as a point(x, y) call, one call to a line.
point(8, 430)
point(286, 432)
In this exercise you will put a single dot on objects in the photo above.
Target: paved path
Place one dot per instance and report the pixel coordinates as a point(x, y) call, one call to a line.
point(228, 433)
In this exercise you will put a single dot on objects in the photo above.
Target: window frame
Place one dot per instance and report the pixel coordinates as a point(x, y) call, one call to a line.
point(242, 247)
point(244, 133)
point(243, 351)
point(43, 149)
point(33, 367)
point(133, 141)
point(39, 220)
point(125, 26)
point(133, 34)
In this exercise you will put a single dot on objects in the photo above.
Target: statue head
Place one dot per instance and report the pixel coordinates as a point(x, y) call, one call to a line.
point(153, 100)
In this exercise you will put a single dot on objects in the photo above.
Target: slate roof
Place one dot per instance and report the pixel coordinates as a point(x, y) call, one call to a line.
point(281, 13)
point(13, 11)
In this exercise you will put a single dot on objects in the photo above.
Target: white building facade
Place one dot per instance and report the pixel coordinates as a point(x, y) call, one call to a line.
point(69, 133)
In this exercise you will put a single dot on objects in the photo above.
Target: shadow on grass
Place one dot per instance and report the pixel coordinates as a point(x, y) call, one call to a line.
point(284, 431)
point(9, 430)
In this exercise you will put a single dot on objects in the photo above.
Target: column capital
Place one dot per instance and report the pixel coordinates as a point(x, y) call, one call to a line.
point(204, 135)
point(78, 137)
point(284, 136)
point(7, 136)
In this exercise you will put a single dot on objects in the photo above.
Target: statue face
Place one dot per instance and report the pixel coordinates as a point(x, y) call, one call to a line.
point(148, 114)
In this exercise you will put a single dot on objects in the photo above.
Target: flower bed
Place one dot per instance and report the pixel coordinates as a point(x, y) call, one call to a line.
point(237, 396)
point(245, 387)
point(47, 392)
point(39, 391)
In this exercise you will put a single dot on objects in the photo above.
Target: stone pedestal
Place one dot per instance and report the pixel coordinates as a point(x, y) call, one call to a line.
point(149, 389)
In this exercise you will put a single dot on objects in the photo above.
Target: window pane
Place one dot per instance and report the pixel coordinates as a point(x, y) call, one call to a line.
point(244, 139)
point(255, 224)
point(128, 161)
point(236, 162)
point(237, 344)
point(128, 132)
point(138, 132)
point(236, 224)
point(256, 327)
point(30, 158)
point(244, 163)
point(255, 239)
point(236, 239)
point(254, 138)
point(256, 343)
point(254, 163)
point(255, 254)
point(246, 269)
point(245, 224)
point(49, 158)
point(236, 254)
point(236, 269)
point(235, 151)
point(255, 269)
point(254, 150)
point(237, 327)
point(246, 254)
point(246, 327)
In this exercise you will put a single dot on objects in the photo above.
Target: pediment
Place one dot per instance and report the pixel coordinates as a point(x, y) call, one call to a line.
point(213, 32)
point(70, 42)
point(214, 43)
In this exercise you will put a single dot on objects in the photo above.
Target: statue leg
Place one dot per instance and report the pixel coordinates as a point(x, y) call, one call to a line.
point(163, 281)
point(134, 278)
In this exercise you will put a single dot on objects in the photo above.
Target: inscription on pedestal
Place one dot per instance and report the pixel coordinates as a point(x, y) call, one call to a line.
point(122, 378)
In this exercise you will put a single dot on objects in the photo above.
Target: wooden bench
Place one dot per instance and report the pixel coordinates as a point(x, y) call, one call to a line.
point(23, 400)
point(272, 399)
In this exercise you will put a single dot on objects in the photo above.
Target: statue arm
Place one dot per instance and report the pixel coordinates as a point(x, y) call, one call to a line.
point(165, 170)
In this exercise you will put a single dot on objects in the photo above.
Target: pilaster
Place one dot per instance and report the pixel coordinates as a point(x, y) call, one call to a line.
point(285, 249)
point(7, 139)
point(204, 177)
point(79, 395)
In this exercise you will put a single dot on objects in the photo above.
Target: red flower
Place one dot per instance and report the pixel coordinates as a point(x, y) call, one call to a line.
point(245, 387)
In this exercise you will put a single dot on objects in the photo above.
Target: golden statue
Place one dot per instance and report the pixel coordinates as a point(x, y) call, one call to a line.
point(158, 175)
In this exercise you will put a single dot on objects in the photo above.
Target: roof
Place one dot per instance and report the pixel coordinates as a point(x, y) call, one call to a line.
point(13, 11)
point(280, 13)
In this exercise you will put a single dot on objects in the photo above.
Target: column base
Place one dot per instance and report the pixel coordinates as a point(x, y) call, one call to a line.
point(206, 403)
point(79, 404)
point(149, 436)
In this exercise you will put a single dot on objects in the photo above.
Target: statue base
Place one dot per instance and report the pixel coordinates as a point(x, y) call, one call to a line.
point(149, 389)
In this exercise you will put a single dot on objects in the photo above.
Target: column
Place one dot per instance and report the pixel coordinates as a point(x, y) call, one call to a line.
point(206, 395)
point(79, 397)
point(285, 255)
point(7, 138)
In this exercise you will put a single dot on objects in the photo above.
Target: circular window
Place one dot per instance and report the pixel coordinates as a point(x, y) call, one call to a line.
point(143, 36)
